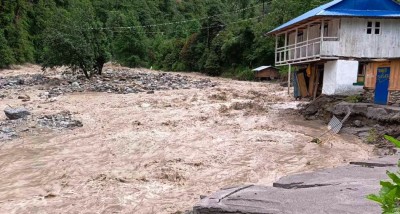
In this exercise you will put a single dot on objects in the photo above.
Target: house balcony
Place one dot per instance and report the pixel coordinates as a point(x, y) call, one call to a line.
point(309, 42)
point(305, 51)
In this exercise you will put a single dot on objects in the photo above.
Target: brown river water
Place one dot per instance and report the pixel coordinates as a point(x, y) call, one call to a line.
point(157, 153)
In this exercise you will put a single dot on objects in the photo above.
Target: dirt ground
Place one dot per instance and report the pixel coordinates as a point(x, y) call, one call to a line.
point(158, 153)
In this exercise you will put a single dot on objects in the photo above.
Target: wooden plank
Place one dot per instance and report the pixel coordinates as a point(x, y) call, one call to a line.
point(312, 81)
point(316, 84)
point(369, 76)
point(395, 76)
point(302, 84)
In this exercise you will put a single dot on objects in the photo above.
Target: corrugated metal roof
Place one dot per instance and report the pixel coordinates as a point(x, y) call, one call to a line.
point(356, 8)
point(262, 68)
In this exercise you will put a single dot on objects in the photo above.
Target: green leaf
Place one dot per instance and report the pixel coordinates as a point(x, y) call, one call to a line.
point(393, 140)
point(394, 177)
point(390, 198)
point(386, 187)
point(375, 198)
point(387, 184)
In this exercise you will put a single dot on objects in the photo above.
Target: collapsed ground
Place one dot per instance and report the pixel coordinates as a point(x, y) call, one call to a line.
point(140, 141)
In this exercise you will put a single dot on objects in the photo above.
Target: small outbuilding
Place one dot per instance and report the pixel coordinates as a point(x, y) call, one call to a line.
point(264, 72)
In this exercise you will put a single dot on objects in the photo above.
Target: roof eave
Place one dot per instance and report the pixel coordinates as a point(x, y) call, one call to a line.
point(287, 28)
point(278, 31)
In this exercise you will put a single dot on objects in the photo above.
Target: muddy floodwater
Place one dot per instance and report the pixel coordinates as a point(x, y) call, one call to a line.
point(158, 153)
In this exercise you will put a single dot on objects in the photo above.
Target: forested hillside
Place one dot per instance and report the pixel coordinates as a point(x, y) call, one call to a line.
point(210, 36)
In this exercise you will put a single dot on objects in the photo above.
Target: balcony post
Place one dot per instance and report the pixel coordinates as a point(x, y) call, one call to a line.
point(285, 49)
point(295, 43)
point(276, 48)
point(308, 37)
point(322, 35)
point(322, 30)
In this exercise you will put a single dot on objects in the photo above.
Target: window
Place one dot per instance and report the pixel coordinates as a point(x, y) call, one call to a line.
point(369, 28)
point(377, 28)
point(361, 73)
point(373, 27)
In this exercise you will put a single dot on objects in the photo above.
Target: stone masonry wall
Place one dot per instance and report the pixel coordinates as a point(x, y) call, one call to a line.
point(369, 95)
point(394, 98)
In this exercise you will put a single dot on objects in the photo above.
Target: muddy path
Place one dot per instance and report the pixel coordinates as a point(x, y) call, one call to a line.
point(157, 153)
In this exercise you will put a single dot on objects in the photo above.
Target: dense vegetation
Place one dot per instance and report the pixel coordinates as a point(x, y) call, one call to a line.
point(211, 36)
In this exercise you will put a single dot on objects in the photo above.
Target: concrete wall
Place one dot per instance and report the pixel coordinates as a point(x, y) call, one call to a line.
point(339, 76)
point(330, 72)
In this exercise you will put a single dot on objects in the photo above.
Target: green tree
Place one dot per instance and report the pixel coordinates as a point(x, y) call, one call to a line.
point(6, 54)
point(75, 39)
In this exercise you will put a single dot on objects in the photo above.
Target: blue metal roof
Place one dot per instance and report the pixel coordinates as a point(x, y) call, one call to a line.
point(355, 8)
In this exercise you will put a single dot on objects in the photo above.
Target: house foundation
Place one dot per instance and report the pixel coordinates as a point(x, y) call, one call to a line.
point(394, 97)
point(369, 95)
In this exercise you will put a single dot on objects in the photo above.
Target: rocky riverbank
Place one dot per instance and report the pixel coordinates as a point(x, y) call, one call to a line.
point(369, 122)
point(118, 81)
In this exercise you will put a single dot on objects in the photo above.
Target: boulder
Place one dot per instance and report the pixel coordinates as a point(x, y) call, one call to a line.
point(310, 110)
point(357, 123)
point(75, 85)
point(338, 190)
point(370, 111)
point(16, 113)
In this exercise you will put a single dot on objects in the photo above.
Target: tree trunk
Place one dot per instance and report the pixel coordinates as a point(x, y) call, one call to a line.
point(100, 64)
point(86, 73)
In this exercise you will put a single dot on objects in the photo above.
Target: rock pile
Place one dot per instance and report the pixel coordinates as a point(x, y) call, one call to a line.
point(11, 129)
point(122, 81)
point(26, 80)
point(7, 133)
point(62, 120)
point(127, 82)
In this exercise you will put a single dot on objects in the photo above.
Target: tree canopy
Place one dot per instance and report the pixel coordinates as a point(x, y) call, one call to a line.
point(210, 36)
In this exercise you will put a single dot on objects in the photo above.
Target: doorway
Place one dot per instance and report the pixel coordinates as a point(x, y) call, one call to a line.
point(382, 86)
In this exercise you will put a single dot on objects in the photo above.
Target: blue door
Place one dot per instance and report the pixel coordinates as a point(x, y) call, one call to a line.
point(382, 86)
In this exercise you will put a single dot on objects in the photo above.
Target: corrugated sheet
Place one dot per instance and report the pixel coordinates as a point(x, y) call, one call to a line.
point(262, 68)
point(356, 8)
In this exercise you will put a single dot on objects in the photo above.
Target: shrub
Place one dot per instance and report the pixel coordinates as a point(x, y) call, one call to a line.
point(389, 195)
point(246, 75)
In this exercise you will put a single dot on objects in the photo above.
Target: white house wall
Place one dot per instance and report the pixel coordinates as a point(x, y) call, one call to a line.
point(347, 74)
point(329, 84)
point(355, 42)
point(339, 76)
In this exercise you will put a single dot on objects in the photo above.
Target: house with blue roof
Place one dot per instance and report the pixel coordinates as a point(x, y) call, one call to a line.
point(343, 47)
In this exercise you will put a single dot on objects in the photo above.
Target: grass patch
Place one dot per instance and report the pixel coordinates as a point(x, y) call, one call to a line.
point(372, 136)
point(354, 99)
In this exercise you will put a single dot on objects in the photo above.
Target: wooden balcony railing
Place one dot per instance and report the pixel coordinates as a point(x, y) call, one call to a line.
point(309, 50)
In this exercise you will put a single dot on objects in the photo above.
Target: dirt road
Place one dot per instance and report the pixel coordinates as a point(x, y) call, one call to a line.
point(157, 153)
